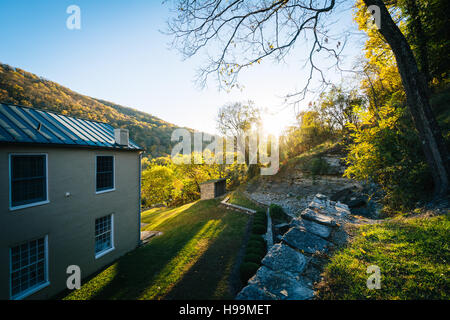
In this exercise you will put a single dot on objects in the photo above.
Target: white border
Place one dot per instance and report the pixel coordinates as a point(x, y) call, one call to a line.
point(11, 208)
point(114, 173)
point(37, 287)
point(102, 253)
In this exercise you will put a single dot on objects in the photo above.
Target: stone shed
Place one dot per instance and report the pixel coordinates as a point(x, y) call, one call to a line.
point(213, 188)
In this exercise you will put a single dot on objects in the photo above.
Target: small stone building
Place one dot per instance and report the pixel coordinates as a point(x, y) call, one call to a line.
point(213, 188)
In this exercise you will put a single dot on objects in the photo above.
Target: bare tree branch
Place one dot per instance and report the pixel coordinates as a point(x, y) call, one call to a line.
point(238, 34)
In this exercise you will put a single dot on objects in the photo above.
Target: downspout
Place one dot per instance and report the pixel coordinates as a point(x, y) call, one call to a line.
point(140, 200)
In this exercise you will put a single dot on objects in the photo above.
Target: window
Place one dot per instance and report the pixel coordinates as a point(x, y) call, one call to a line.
point(105, 173)
point(28, 267)
point(103, 235)
point(28, 185)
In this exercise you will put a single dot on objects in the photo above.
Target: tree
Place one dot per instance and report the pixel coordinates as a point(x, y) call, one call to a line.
point(336, 108)
point(417, 97)
point(158, 185)
point(426, 31)
point(248, 31)
point(387, 152)
point(237, 120)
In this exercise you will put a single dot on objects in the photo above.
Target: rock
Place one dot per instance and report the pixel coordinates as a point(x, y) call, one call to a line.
point(318, 217)
point(253, 292)
point(342, 206)
point(357, 203)
point(318, 204)
point(343, 194)
point(313, 227)
point(305, 241)
point(285, 259)
point(282, 227)
point(147, 235)
point(342, 211)
point(281, 285)
point(321, 196)
point(334, 165)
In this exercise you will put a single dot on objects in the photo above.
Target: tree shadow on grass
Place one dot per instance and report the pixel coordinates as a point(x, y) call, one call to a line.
point(209, 277)
point(151, 271)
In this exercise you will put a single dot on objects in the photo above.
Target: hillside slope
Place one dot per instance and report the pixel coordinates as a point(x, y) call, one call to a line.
point(23, 88)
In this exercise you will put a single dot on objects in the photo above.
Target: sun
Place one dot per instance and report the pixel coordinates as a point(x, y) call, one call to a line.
point(274, 123)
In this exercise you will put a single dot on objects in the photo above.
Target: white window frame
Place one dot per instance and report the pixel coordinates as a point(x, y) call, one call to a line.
point(102, 253)
point(28, 205)
point(114, 173)
point(37, 287)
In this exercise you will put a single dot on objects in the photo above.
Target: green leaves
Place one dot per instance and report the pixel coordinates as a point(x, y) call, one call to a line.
point(388, 153)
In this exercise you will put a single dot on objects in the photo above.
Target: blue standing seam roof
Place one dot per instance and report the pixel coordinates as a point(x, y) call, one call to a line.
point(28, 125)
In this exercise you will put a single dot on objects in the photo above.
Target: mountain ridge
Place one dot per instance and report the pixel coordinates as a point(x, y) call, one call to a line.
point(20, 87)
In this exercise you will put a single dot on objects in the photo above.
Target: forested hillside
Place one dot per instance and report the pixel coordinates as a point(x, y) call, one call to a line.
point(23, 88)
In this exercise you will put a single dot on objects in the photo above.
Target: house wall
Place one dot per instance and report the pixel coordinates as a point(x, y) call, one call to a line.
point(69, 222)
point(220, 188)
point(207, 191)
point(211, 190)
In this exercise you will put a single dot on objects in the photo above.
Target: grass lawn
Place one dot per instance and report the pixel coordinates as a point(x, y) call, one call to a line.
point(413, 255)
point(193, 259)
point(238, 198)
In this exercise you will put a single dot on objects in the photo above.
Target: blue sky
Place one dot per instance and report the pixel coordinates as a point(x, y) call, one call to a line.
point(120, 55)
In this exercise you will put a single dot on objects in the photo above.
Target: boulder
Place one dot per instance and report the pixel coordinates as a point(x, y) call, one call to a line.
point(357, 202)
point(318, 217)
point(313, 227)
point(343, 194)
point(253, 292)
point(305, 241)
point(321, 197)
point(281, 285)
point(341, 206)
point(285, 259)
point(281, 228)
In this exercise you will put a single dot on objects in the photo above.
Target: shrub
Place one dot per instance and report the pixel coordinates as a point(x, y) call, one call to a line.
point(261, 213)
point(256, 237)
point(256, 244)
point(247, 270)
point(260, 216)
point(260, 221)
point(318, 166)
point(253, 257)
point(258, 228)
point(258, 251)
point(277, 212)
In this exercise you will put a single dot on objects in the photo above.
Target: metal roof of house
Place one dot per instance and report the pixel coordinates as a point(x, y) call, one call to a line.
point(28, 125)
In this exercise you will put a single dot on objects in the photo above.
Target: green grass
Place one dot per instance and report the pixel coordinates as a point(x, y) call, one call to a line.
point(311, 162)
point(193, 258)
point(413, 255)
point(238, 198)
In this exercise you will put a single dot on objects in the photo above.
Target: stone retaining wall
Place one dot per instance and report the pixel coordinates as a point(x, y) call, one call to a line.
point(286, 269)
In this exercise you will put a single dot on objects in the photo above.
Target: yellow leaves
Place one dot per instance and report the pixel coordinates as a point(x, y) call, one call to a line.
point(362, 250)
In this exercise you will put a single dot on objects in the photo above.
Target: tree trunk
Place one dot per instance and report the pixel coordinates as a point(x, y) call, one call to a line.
point(417, 97)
